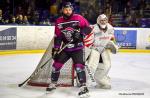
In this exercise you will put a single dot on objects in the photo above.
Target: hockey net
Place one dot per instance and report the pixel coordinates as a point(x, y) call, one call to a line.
point(43, 77)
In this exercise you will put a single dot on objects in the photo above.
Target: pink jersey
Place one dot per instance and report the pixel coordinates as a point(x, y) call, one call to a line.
point(64, 30)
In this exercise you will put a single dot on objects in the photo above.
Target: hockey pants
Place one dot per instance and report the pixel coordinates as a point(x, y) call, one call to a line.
point(77, 57)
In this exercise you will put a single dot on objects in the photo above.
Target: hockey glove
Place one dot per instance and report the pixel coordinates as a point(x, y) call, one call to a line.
point(76, 36)
point(55, 53)
point(113, 47)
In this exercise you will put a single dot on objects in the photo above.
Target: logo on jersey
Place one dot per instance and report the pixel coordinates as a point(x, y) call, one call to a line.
point(68, 28)
point(60, 26)
point(68, 33)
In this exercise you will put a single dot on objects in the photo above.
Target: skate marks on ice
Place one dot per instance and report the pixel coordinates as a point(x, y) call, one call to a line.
point(36, 92)
point(12, 91)
point(7, 91)
point(129, 73)
point(63, 92)
point(119, 84)
point(141, 65)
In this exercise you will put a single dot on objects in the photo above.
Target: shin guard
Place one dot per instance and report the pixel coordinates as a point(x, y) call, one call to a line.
point(81, 76)
point(56, 71)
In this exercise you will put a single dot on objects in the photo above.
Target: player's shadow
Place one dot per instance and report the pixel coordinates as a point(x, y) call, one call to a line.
point(125, 84)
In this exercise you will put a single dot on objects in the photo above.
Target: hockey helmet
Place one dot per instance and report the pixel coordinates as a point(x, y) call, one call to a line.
point(102, 20)
point(67, 5)
point(67, 15)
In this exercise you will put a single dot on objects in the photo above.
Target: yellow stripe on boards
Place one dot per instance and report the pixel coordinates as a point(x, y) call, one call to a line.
point(8, 52)
point(134, 50)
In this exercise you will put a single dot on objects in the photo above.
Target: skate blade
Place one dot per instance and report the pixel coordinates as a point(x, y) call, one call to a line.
point(50, 90)
point(87, 95)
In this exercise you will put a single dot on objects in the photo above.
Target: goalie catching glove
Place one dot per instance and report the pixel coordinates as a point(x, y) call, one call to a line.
point(112, 46)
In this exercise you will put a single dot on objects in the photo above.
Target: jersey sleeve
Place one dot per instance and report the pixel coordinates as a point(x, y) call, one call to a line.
point(57, 37)
point(84, 25)
point(112, 35)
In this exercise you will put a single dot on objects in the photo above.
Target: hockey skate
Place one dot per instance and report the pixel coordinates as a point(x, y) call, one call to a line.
point(51, 87)
point(105, 86)
point(84, 92)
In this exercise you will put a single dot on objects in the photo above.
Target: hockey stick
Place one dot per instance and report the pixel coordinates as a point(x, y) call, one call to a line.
point(38, 70)
point(87, 68)
point(90, 74)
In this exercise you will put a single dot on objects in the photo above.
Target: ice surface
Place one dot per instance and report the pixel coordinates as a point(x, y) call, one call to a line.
point(129, 74)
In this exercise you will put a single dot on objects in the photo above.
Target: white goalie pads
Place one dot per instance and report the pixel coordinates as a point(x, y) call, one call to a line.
point(93, 60)
point(101, 43)
point(96, 50)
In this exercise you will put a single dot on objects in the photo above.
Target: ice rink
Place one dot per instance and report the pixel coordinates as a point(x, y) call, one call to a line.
point(130, 74)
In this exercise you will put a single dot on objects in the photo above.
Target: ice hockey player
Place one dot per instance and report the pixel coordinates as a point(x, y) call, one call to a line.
point(104, 42)
point(70, 27)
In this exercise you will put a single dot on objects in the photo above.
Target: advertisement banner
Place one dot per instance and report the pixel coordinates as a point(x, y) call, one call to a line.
point(126, 38)
point(8, 38)
point(143, 37)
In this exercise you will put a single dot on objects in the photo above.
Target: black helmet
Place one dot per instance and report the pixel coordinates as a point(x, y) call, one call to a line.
point(67, 4)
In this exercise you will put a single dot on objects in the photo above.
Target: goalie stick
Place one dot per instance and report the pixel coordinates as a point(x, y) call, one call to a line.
point(89, 65)
point(89, 72)
point(38, 70)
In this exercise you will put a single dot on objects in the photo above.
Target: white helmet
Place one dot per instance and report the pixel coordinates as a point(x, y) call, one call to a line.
point(102, 20)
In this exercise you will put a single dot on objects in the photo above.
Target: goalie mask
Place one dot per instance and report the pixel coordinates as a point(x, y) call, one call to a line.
point(67, 10)
point(102, 20)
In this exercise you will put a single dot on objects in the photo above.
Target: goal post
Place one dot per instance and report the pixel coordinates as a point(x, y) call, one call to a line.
point(43, 78)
